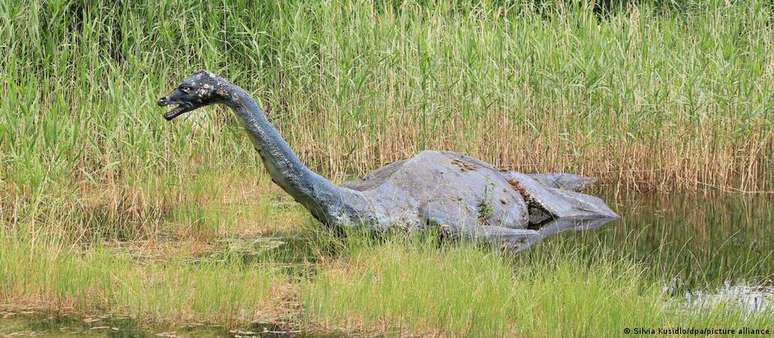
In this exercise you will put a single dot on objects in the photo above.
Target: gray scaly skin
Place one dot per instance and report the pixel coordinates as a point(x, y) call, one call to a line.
point(457, 193)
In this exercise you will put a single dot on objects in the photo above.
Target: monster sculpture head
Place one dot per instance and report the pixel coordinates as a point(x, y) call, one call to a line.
point(200, 89)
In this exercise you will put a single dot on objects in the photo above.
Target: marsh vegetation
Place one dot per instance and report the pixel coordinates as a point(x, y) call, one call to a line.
point(107, 209)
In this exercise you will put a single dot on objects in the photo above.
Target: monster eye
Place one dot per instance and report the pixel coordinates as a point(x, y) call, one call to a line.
point(185, 88)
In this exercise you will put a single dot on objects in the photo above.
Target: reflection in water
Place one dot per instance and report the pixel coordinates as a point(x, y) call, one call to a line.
point(27, 323)
point(713, 248)
point(701, 240)
point(33, 323)
point(705, 238)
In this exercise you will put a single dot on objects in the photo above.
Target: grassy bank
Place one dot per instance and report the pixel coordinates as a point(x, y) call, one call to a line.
point(415, 287)
point(398, 287)
point(174, 288)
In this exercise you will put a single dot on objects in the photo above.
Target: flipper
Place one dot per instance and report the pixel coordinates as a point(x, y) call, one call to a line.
point(506, 238)
point(568, 209)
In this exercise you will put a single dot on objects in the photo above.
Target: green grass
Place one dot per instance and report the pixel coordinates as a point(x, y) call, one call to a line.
point(653, 97)
point(413, 287)
point(641, 97)
point(175, 289)
point(393, 286)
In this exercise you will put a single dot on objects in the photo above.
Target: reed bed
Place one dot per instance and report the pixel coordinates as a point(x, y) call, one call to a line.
point(647, 97)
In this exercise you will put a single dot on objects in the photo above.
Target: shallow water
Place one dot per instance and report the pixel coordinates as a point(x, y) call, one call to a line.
point(697, 239)
point(30, 323)
point(711, 248)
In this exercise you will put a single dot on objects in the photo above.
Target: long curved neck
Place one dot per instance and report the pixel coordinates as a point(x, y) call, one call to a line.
point(326, 201)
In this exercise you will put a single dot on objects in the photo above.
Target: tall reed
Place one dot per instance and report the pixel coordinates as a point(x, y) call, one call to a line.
point(646, 97)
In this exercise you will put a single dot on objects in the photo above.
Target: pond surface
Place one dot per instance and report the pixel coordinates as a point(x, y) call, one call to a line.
point(696, 239)
point(709, 246)
point(30, 323)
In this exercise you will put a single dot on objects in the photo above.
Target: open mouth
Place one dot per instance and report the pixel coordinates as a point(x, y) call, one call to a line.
point(182, 107)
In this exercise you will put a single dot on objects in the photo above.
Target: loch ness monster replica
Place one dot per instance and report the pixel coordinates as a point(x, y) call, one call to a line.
point(455, 193)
